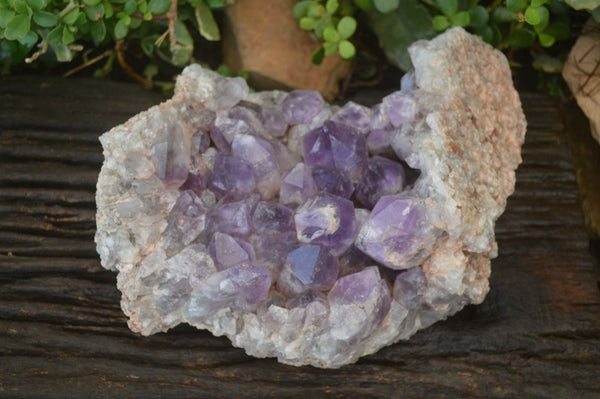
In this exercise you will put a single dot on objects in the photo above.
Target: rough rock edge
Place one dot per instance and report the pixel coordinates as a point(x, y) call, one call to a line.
point(467, 148)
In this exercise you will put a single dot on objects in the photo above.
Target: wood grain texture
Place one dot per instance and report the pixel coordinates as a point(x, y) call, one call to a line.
point(62, 333)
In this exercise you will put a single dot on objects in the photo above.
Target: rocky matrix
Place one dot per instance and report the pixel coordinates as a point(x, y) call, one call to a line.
point(306, 232)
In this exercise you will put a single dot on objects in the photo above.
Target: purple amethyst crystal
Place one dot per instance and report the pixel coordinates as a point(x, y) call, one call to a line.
point(297, 186)
point(355, 115)
point(334, 145)
point(274, 121)
point(308, 267)
point(328, 220)
point(400, 107)
point(196, 183)
point(271, 250)
point(230, 174)
point(333, 181)
point(260, 155)
point(232, 214)
point(410, 287)
point(397, 233)
point(272, 218)
point(301, 106)
point(226, 128)
point(381, 177)
point(240, 287)
point(171, 155)
point(228, 251)
point(358, 303)
point(186, 221)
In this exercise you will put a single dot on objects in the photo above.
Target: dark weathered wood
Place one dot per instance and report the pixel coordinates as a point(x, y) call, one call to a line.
point(62, 332)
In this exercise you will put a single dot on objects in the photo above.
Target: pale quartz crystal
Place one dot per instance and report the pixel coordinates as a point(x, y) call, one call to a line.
point(308, 232)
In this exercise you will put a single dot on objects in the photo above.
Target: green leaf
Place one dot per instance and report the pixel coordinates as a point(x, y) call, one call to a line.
point(364, 5)
point(386, 6)
point(307, 23)
point(130, 7)
point(447, 7)
point(36, 5)
point(546, 40)
point(182, 35)
point(62, 52)
point(147, 44)
point(478, 16)
point(5, 17)
point(461, 18)
point(17, 27)
point(109, 11)
point(21, 7)
point(318, 55)
point(330, 48)
point(504, 15)
point(30, 39)
point(320, 26)
point(301, 9)
point(332, 6)
point(583, 4)
point(45, 19)
point(143, 6)
point(516, 5)
point(440, 23)
point(55, 35)
point(91, 3)
point(521, 38)
point(94, 13)
point(71, 16)
point(537, 3)
point(120, 30)
point(159, 7)
point(98, 31)
point(67, 36)
point(331, 35)
point(398, 30)
point(346, 49)
point(346, 27)
point(559, 30)
point(485, 32)
point(217, 3)
point(315, 10)
point(224, 70)
point(544, 19)
point(532, 16)
point(206, 23)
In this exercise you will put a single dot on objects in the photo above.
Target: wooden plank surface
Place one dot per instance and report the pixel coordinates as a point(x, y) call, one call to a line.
point(62, 333)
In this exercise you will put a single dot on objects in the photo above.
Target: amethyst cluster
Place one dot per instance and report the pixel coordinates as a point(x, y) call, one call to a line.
point(312, 233)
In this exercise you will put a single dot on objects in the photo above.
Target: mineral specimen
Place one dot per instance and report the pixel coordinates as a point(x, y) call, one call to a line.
point(311, 233)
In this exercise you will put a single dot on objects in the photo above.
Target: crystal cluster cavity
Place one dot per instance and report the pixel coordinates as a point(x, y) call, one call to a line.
point(308, 232)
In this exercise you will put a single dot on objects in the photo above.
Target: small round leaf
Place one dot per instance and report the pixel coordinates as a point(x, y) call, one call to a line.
point(98, 31)
point(121, 30)
point(5, 17)
point(532, 16)
point(364, 5)
point(461, 18)
point(346, 49)
point(130, 7)
point(71, 16)
point(318, 55)
point(67, 36)
point(521, 37)
point(44, 19)
point(478, 16)
point(301, 9)
point(546, 40)
point(307, 23)
point(330, 48)
point(332, 6)
point(346, 27)
point(559, 31)
point(331, 35)
point(17, 27)
point(503, 15)
point(159, 7)
point(385, 6)
point(537, 3)
point(440, 23)
point(448, 7)
point(35, 5)
point(516, 5)
point(91, 2)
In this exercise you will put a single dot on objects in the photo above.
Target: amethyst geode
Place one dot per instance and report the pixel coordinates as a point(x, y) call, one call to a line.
point(308, 232)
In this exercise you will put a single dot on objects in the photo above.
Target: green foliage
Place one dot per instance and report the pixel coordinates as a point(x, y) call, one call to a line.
point(61, 27)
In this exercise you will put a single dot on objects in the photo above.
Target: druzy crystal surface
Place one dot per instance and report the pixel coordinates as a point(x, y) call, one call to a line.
point(306, 232)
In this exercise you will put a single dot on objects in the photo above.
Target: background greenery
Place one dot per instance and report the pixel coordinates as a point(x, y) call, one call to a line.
point(163, 34)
